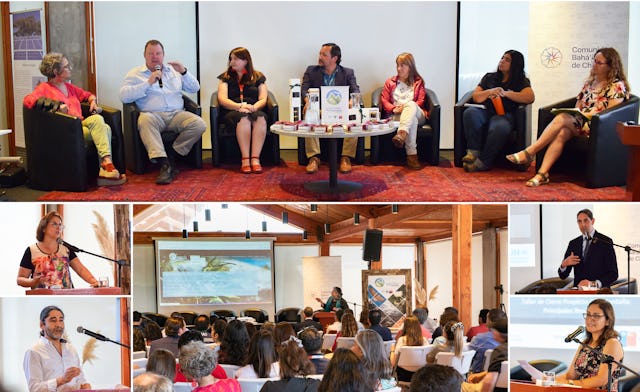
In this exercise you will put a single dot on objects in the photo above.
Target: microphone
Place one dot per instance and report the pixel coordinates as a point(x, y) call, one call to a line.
point(573, 334)
point(68, 245)
point(92, 334)
point(159, 68)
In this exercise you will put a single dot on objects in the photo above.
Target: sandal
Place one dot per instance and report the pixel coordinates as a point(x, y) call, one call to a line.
point(515, 159)
point(256, 168)
point(246, 169)
point(399, 138)
point(539, 179)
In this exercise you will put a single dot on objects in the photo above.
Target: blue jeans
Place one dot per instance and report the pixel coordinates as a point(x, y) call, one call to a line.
point(477, 122)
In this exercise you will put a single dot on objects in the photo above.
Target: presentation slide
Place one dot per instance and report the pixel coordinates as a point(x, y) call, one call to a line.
point(214, 272)
point(543, 322)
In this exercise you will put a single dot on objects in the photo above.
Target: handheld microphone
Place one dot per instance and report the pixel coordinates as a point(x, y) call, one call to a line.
point(92, 334)
point(159, 68)
point(573, 334)
point(68, 245)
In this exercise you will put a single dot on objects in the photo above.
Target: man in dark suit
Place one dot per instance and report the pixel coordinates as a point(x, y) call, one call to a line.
point(329, 72)
point(173, 328)
point(591, 255)
point(308, 321)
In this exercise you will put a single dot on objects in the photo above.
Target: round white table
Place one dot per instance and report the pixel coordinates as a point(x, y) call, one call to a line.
point(333, 185)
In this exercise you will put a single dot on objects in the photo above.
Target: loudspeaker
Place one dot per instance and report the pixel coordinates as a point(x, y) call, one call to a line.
point(372, 246)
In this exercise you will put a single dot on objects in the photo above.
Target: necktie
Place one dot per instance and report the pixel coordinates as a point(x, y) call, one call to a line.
point(586, 247)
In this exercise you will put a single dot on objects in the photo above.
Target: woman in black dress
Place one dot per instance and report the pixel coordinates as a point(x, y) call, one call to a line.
point(242, 94)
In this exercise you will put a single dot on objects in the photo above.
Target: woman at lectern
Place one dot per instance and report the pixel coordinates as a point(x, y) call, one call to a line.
point(586, 370)
point(46, 263)
point(403, 98)
point(242, 94)
point(605, 87)
point(334, 302)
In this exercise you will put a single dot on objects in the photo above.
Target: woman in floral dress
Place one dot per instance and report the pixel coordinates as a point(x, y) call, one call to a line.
point(605, 87)
point(586, 370)
point(46, 263)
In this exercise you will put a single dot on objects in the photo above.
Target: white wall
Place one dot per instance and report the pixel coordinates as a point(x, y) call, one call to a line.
point(123, 27)
point(20, 329)
point(289, 277)
point(285, 37)
point(633, 68)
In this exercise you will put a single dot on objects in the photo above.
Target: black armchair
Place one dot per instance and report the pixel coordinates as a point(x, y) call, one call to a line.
point(57, 158)
point(136, 153)
point(189, 318)
point(224, 145)
point(601, 159)
point(291, 315)
point(519, 138)
point(543, 286)
point(260, 315)
point(518, 373)
point(428, 138)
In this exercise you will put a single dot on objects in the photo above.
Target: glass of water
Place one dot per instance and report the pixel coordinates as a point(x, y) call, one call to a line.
point(548, 378)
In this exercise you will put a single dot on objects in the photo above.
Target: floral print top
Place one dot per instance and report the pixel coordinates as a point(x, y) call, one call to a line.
point(587, 365)
point(54, 267)
point(596, 100)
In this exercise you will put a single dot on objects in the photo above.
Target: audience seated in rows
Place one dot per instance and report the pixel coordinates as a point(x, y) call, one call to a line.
point(486, 381)
point(422, 314)
point(308, 321)
point(201, 324)
point(348, 328)
point(295, 366)
point(336, 325)
point(485, 341)
point(411, 336)
point(449, 314)
point(312, 343)
point(376, 366)
point(197, 362)
point(234, 345)
point(186, 338)
point(151, 382)
point(151, 330)
point(454, 333)
point(345, 373)
point(375, 316)
point(162, 362)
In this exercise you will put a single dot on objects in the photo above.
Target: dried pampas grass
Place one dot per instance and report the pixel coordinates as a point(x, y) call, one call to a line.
point(88, 351)
point(104, 235)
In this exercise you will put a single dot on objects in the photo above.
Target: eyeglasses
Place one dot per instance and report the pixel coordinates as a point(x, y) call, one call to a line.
point(55, 224)
point(592, 316)
point(68, 66)
point(600, 62)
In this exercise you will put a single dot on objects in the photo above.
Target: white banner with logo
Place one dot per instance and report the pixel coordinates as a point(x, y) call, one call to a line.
point(563, 38)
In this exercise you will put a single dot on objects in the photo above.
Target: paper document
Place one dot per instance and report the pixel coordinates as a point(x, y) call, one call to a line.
point(533, 372)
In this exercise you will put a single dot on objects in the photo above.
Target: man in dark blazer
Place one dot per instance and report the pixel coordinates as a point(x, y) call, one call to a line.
point(173, 328)
point(308, 321)
point(329, 72)
point(591, 255)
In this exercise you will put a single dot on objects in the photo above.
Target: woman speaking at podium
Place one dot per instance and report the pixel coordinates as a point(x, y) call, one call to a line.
point(46, 263)
point(586, 370)
point(334, 302)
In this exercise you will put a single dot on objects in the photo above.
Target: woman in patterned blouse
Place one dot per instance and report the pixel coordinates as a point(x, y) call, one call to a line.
point(586, 369)
point(605, 87)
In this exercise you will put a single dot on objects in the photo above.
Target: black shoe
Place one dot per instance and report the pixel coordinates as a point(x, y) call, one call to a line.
point(167, 173)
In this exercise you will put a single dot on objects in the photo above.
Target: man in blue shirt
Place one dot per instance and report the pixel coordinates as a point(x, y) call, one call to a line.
point(156, 88)
point(485, 341)
point(375, 316)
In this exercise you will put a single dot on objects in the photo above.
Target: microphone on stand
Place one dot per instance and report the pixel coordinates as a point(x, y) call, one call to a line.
point(92, 334)
point(573, 334)
point(159, 68)
point(68, 245)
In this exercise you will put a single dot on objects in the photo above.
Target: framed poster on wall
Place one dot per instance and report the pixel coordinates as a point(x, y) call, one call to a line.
point(390, 292)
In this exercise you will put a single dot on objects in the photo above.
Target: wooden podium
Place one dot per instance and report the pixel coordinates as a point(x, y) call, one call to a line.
point(516, 386)
point(630, 136)
point(325, 318)
point(87, 291)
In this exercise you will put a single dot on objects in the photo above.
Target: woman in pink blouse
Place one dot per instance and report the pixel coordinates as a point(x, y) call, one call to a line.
point(57, 69)
point(605, 87)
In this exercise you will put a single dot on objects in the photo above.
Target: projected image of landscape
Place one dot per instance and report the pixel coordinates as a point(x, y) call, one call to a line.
point(207, 274)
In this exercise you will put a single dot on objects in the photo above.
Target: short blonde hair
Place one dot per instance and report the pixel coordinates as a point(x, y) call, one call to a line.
point(51, 62)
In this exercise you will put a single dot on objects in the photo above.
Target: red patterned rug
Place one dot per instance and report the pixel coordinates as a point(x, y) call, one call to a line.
point(381, 183)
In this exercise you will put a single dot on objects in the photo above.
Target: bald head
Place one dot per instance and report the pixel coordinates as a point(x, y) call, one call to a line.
point(151, 382)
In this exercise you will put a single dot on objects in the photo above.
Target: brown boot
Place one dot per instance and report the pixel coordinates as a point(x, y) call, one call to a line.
point(314, 164)
point(413, 163)
point(345, 165)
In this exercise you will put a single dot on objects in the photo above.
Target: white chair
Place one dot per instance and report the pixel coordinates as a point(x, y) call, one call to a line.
point(253, 384)
point(345, 343)
point(388, 345)
point(316, 376)
point(139, 354)
point(328, 340)
point(140, 363)
point(412, 358)
point(503, 377)
point(182, 387)
point(138, 371)
point(462, 365)
point(487, 359)
point(230, 370)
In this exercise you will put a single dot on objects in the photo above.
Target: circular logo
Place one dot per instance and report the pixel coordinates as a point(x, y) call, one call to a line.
point(379, 282)
point(334, 97)
point(551, 57)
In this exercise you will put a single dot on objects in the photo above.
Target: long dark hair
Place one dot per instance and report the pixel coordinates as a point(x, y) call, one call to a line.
point(243, 54)
point(516, 70)
point(262, 353)
point(234, 344)
point(44, 313)
point(345, 373)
